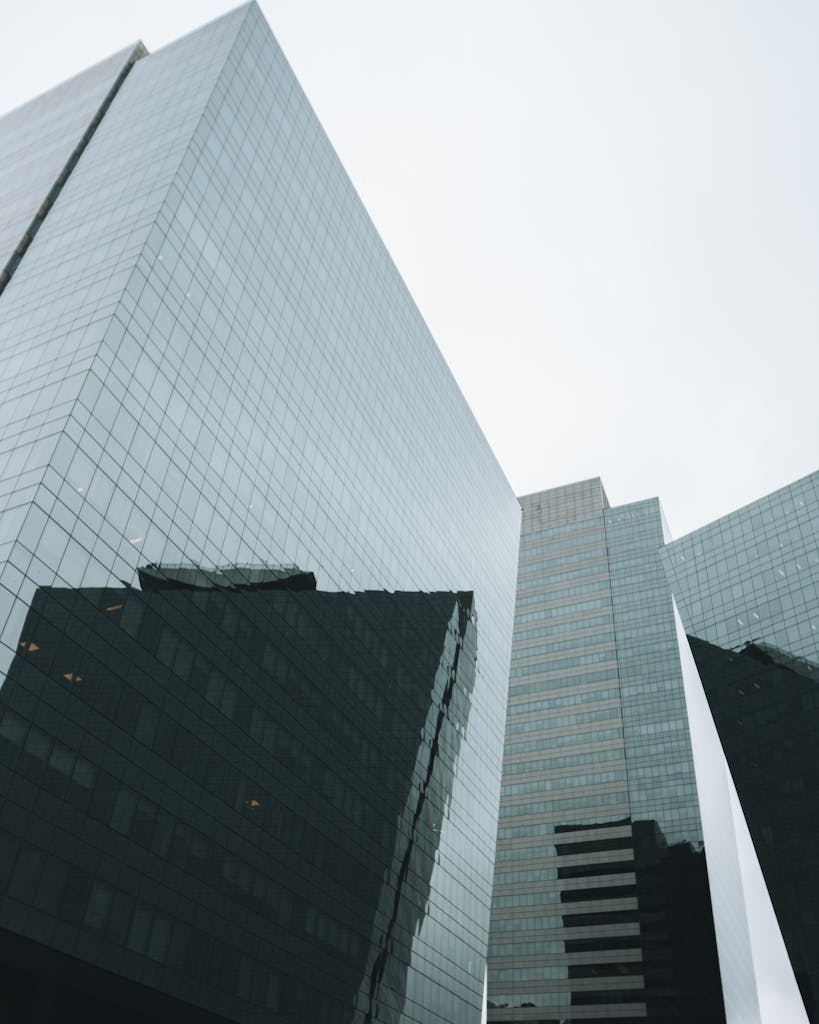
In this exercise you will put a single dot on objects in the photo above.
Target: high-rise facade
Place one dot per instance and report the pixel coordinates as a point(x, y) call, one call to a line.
point(747, 587)
point(601, 907)
point(252, 807)
point(208, 359)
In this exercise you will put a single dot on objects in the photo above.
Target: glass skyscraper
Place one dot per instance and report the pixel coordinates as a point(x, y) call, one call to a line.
point(601, 907)
point(747, 587)
point(234, 790)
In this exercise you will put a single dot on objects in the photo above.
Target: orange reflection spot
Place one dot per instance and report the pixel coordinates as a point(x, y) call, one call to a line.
point(253, 803)
point(27, 645)
point(113, 607)
point(72, 677)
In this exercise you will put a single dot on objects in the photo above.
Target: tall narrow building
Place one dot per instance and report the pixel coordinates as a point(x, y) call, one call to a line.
point(229, 789)
point(747, 587)
point(601, 907)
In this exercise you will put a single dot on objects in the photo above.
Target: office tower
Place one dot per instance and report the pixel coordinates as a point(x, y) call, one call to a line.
point(211, 371)
point(747, 587)
point(601, 907)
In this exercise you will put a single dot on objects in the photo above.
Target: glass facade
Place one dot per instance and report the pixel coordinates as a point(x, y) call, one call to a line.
point(601, 907)
point(747, 587)
point(40, 144)
point(208, 359)
point(202, 760)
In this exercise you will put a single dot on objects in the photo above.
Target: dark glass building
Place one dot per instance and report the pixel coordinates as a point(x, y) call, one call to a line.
point(747, 587)
point(242, 789)
point(601, 907)
point(249, 792)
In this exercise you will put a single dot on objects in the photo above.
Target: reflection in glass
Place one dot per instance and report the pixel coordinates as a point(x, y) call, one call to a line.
point(765, 705)
point(262, 772)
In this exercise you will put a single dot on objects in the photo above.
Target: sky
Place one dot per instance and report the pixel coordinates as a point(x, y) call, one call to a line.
point(607, 212)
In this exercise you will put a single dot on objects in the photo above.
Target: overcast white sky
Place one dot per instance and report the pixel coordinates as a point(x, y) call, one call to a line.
point(607, 211)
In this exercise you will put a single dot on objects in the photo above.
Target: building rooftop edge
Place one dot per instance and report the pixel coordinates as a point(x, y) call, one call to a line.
point(576, 484)
point(719, 520)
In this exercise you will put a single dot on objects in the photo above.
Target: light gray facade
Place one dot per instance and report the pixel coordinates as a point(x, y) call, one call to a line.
point(40, 144)
point(207, 357)
point(753, 575)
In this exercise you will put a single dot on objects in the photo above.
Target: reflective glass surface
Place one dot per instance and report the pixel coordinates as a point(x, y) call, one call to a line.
point(754, 574)
point(747, 587)
point(280, 761)
point(39, 145)
point(601, 908)
point(210, 360)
